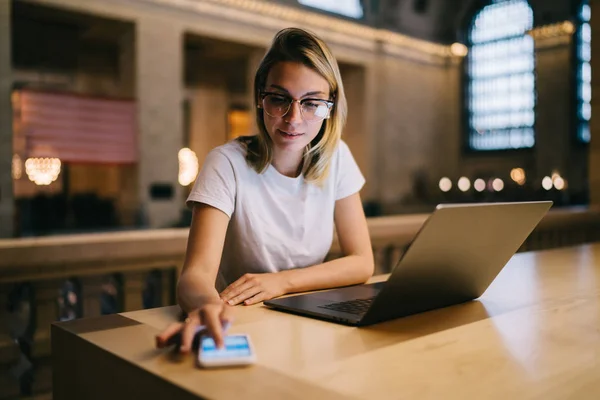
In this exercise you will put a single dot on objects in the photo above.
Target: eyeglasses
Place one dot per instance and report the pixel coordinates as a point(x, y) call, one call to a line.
point(277, 105)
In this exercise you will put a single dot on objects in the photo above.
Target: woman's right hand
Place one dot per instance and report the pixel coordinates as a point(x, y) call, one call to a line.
point(215, 316)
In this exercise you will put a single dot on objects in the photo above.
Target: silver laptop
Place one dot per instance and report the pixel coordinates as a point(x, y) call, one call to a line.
point(454, 257)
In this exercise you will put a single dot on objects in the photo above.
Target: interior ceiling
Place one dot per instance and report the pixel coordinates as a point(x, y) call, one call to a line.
point(441, 21)
point(445, 21)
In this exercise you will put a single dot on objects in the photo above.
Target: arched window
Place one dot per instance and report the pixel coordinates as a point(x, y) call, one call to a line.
point(584, 73)
point(500, 77)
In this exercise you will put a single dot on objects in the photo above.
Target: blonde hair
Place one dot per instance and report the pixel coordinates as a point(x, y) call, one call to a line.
point(297, 45)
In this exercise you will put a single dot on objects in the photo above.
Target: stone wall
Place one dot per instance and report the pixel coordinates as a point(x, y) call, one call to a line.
point(417, 124)
point(159, 65)
point(6, 190)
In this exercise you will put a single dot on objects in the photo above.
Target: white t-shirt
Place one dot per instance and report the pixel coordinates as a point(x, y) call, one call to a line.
point(276, 222)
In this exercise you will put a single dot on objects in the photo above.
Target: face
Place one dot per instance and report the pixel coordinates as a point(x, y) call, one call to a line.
point(291, 132)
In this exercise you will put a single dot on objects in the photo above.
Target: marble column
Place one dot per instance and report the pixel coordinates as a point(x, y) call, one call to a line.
point(554, 124)
point(7, 208)
point(159, 53)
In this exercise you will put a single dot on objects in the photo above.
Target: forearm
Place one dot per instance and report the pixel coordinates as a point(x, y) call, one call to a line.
point(345, 271)
point(196, 288)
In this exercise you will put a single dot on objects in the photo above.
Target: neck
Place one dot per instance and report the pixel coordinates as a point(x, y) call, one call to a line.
point(287, 163)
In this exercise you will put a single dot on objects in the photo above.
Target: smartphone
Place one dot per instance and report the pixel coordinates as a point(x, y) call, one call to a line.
point(237, 351)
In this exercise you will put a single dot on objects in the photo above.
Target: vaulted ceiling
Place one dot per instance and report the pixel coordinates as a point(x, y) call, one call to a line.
point(444, 21)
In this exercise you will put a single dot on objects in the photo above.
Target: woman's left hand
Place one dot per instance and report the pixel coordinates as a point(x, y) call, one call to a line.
point(254, 288)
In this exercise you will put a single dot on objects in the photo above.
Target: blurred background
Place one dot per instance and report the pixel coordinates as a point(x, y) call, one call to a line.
point(114, 104)
point(109, 107)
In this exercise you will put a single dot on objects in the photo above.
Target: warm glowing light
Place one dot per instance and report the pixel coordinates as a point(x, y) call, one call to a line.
point(553, 30)
point(547, 183)
point(498, 184)
point(445, 184)
point(188, 166)
point(518, 175)
point(459, 49)
point(42, 171)
point(568, 27)
point(17, 167)
point(479, 185)
point(240, 123)
point(464, 184)
point(559, 183)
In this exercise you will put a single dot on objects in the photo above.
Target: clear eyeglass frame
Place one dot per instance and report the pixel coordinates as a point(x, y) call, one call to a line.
point(306, 115)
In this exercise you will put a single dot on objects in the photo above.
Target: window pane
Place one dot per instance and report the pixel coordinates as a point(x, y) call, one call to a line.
point(501, 89)
point(349, 8)
point(586, 13)
point(584, 76)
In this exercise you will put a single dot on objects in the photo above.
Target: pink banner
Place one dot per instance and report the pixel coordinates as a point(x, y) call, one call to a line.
point(76, 128)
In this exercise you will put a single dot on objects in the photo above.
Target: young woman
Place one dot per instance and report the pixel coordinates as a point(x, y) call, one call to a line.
point(264, 207)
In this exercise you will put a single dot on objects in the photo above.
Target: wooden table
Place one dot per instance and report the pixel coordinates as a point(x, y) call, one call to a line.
point(535, 334)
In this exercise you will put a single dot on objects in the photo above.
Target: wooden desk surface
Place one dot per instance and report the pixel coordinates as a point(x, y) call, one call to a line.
point(535, 334)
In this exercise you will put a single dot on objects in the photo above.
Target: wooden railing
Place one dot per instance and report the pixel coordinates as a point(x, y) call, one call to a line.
point(46, 279)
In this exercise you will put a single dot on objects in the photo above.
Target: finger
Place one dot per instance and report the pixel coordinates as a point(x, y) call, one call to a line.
point(248, 293)
point(211, 318)
point(162, 338)
point(226, 317)
point(187, 334)
point(235, 284)
point(262, 296)
point(237, 291)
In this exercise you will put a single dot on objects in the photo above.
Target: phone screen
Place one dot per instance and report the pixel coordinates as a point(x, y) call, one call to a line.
point(235, 346)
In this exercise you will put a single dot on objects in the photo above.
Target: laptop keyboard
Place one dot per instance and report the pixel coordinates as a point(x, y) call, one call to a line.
point(357, 307)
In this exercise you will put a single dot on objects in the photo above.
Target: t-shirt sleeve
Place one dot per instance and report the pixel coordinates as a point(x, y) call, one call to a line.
point(215, 184)
point(349, 179)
